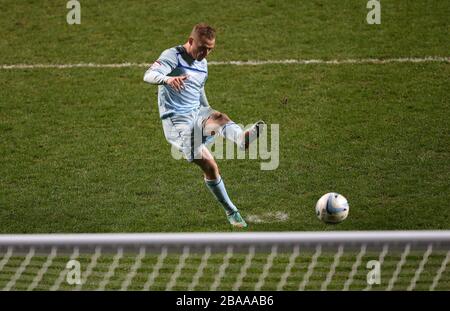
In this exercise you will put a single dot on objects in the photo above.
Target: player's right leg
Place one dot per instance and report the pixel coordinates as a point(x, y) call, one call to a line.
point(215, 184)
point(220, 123)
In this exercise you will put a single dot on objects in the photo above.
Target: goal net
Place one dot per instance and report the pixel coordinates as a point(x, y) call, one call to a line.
point(384, 260)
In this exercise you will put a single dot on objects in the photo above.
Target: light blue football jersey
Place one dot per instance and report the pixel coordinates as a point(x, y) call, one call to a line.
point(176, 62)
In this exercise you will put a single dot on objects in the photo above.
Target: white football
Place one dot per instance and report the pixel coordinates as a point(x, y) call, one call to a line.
point(332, 208)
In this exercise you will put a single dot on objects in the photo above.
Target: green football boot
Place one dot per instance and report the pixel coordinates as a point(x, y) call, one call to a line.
point(236, 220)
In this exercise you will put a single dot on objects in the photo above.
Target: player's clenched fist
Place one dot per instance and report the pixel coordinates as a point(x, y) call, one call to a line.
point(177, 83)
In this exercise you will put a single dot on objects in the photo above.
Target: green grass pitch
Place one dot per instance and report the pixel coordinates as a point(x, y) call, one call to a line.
point(82, 149)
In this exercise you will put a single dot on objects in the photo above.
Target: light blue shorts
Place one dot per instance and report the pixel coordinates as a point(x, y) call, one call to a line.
point(185, 132)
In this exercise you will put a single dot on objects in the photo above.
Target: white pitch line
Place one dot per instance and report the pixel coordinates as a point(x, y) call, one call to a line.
point(243, 63)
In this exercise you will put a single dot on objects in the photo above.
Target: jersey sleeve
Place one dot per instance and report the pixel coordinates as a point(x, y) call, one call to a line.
point(165, 64)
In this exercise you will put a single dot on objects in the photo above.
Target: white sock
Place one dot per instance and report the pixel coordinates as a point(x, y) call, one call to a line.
point(232, 131)
point(217, 188)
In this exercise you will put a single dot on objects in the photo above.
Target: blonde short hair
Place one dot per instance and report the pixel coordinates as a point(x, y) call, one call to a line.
point(204, 30)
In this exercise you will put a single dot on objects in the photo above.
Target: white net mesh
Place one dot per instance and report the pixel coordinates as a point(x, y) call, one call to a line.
point(247, 261)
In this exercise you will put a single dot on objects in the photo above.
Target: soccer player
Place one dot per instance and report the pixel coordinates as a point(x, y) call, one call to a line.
point(189, 123)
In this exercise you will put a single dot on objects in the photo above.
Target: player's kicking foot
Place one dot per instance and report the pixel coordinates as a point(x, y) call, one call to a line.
point(236, 220)
point(252, 134)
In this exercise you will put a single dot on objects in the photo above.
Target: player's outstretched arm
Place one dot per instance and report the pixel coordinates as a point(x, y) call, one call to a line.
point(155, 76)
point(160, 69)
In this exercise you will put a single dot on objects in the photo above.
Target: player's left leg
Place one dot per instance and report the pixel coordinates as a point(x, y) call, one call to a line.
point(215, 184)
point(220, 123)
